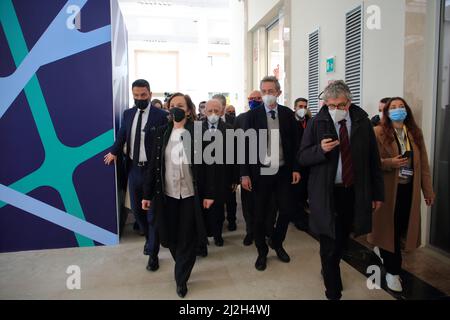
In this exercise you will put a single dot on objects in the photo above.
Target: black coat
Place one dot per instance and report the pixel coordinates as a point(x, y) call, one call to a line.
point(203, 178)
point(301, 131)
point(156, 118)
point(240, 121)
point(257, 119)
point(369, 185)
point(225, 175)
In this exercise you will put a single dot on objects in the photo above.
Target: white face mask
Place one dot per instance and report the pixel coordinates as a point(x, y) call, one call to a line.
point(301, 113)
point(269, 100)
point(213, 119)
point(381, 115)
point(338, 115)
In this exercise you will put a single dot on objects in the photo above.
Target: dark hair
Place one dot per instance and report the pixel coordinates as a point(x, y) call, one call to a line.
point(410, 123)
point(190, 104)
point(301, 100)
point(155, 101)
point(203, 102)
point(385, 100)
point(141, 83)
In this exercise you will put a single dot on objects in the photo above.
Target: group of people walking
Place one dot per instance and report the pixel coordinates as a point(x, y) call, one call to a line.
point(353, 179)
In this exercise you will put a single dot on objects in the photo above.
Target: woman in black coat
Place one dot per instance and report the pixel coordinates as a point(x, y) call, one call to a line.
point(172, 185)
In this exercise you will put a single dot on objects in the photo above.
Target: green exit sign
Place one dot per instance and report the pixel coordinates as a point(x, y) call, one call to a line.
point(331, 65)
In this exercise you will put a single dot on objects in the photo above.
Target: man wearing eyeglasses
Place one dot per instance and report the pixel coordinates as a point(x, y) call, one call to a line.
point(346, 183)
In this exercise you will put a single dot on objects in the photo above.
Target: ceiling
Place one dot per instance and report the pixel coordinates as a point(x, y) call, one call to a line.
point(177, 21)
point(186, 3)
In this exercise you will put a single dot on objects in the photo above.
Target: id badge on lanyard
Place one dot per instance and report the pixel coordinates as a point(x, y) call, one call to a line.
point(406, 172)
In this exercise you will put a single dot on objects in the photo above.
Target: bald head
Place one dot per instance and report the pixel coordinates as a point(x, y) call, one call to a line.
point(255, 95)
point(213, 106)
point(230, 109)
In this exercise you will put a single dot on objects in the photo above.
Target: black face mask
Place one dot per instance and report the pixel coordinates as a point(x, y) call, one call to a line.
point(232, 115)
point(141, 104)
point(178, 114)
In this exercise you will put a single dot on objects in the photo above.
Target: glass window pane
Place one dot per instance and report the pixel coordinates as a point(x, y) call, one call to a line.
point(440, 223)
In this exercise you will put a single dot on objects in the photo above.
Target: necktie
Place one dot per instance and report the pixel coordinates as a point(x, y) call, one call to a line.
point(137, 139)
point(273, 114)
point(346, 155)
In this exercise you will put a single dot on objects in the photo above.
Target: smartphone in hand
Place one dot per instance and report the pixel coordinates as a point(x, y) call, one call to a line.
point(407, 155)
point(331, 136)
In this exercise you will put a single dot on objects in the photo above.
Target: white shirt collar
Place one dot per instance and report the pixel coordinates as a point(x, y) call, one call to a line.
point(269, 110)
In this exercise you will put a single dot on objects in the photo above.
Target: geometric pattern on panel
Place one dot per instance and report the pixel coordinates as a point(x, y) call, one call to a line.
point(56, 120)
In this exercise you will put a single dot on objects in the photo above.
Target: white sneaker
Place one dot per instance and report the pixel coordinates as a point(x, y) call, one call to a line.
point(378, 253)
point(394, 282)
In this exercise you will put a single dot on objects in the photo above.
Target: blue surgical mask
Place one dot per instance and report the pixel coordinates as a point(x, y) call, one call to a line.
point(253, 104)
point(398, 115)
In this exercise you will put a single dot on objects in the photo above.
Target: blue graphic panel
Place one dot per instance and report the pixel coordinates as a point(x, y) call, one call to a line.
point(61, 93)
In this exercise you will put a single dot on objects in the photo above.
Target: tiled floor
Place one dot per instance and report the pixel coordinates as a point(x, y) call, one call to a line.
point(227, 274)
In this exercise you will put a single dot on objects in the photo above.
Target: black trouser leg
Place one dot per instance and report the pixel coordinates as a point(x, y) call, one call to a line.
point(248, 209)
point(330, 255)
point(231, 205)
point(216, 217)
point(182, 222)
point(152, 245)
point(300, 198)
point(393, 261)
point(331, 249)
point(283, 194)
point(136, 182)
point(263, 194)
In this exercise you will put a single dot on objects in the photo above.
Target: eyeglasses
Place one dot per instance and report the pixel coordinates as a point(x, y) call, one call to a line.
point(340, 106)
point(271, 92)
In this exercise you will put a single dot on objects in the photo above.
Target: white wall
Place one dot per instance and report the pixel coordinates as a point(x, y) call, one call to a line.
point(383, 66)
point(238, 96)
point(193, 79)
point(258, 9)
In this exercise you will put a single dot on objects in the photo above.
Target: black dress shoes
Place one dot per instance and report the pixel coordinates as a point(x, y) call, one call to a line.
point(202, 252)
point(261, 263)
point(248, 240)
point(218, 241)
point(282, 255)
point(232, 226)
point(182, 290)
point(153, 264)
point(301, 226)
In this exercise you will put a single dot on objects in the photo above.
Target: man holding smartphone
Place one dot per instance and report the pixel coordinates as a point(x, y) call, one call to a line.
point(346, 181)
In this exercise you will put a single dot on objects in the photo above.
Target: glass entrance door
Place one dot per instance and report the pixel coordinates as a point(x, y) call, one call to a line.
point(440, 221)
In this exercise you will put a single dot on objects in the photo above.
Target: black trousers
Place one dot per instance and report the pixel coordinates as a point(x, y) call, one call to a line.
point(181, 228)
point(136, 185)
point(331, 250)
point(267, 188)
point(248, 210)
point(301, 201)
point(214, 219)
point(152, 245)
point(393, 261)
point(231, 205)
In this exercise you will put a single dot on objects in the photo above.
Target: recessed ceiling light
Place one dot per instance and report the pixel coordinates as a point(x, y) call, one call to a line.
point(155, 3)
